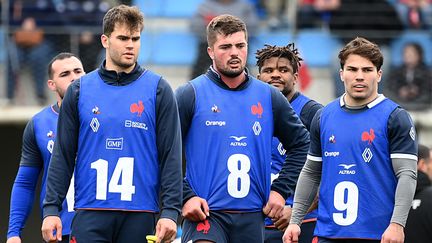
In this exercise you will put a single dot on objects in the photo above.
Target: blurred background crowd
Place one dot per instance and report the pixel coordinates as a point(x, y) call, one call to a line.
point(33, 31)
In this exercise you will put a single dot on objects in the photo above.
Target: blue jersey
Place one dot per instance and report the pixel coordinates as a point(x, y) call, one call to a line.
point(38, 142)
point(356, 197)
point(45, 129)
point(278, 153)
point(117, 162)
point(233, 131)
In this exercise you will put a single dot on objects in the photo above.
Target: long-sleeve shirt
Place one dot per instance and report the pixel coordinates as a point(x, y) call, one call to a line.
point(168, 142)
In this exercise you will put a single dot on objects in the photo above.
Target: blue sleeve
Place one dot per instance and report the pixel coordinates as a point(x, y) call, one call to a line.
point(308, 112)
point(402, 134)
point(62, 163)
point(315, 141)
point(22, 198)
point(168, 140)
point(294, 137)
point(185, 96)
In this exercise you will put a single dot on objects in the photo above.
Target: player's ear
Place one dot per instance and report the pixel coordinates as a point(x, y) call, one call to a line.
point(210, 52)
point(104, 41)
point(51, 85)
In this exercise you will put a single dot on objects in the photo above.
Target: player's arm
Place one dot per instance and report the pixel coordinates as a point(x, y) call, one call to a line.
point(185, 96)
point(403, 152)
point(295, 139)
point(23, 189)
point(168, 137)
point(64, 153)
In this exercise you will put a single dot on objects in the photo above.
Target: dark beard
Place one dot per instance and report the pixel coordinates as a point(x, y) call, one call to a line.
point(231, 73)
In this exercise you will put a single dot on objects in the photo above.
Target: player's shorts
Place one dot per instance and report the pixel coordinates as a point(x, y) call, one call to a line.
point(327, 240)
point(224, 227)
point(273, 235)
point(111, 226)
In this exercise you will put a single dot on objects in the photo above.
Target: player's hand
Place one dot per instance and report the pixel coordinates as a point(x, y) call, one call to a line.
point(284, 219)
point(14, 239)
point(393, 234)
point(275, 204)
point(49, 225)
point(291, 234)
point(196, 209)
point(166, 230)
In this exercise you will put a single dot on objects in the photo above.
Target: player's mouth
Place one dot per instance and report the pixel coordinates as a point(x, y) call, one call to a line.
point(234, 62)
point(359, 87)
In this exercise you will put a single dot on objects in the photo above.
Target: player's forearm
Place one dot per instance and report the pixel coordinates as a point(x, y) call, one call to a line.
point(22, 197)
point(306, 190)
point(406, 172)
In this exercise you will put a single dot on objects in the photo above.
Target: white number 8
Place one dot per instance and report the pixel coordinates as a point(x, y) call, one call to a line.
point(238, 175)
point(350, 206)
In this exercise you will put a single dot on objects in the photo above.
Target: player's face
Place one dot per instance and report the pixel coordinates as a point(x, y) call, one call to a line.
point(64, 72)
point(122, 48)
point(229, 54)
point(278, 72)
point(361, 79)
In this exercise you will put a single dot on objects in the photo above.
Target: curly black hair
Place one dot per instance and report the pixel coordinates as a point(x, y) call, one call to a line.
point(289, 52)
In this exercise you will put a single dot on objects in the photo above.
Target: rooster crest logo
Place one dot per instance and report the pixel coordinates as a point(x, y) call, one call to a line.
point(203, 226)
point(368, 136)
point(137, 108)
point(73, 240)
point(215, 109)
point(257, 110)
point(95, 110)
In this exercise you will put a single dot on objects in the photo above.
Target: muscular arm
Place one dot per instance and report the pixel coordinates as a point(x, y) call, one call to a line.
point(63, 158)
point(168, 137)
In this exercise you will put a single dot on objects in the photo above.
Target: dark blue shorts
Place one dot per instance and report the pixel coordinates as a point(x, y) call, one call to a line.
point(273, 235)
point(327, 240)
point(111, 226)
point(223, 227)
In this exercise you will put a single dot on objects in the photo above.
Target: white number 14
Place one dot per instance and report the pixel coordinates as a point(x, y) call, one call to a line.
point(123, 169)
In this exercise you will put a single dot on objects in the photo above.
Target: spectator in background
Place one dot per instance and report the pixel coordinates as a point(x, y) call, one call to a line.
point(276, 13)
point(415, 14)
point(418, 227)
point(316, 13)
point(411, 83)
point(376, 20)
point(28, 46)
point(209, 9)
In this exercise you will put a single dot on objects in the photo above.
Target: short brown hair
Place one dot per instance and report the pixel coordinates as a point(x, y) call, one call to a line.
point(123, 14)
point(364, 48)
point(289, 52)
point(225, 25)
